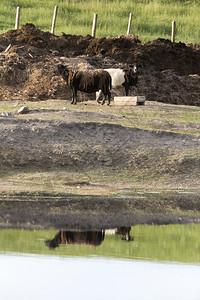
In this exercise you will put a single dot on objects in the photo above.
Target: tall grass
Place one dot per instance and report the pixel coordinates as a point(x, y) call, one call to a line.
point(151, 18)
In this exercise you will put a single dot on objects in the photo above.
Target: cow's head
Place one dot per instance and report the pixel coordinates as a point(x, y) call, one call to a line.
point(131, 75)
point(60, 70)
point(133, 68)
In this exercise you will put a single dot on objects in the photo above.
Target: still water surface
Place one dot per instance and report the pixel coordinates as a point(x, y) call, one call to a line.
point(157, 263)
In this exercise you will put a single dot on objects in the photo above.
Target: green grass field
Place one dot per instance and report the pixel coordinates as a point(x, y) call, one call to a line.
point(151, 18)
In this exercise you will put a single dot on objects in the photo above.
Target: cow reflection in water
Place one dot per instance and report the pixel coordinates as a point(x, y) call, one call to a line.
point(125, 233)
point(93, 238)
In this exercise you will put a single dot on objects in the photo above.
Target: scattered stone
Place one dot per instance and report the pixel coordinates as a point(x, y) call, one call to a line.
point(7, 114)
point(23, 110)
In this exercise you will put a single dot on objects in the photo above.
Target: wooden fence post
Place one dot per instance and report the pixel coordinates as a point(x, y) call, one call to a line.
point(17, 18)
point(54, 19)
point(129, 23)
point(173, 31)
point(94, 26)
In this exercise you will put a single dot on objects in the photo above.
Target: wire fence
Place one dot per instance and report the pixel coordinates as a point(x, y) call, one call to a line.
point(94, 25)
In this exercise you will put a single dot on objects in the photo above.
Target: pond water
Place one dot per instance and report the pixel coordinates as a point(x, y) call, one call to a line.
point(142, 262)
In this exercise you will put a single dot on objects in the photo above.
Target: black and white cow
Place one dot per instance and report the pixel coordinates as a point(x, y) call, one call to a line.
point(126, 77)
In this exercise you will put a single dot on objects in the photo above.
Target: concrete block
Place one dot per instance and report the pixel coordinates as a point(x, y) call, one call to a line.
point(130, 100)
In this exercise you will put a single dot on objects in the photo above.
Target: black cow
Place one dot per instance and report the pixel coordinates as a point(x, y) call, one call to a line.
point(89, 81)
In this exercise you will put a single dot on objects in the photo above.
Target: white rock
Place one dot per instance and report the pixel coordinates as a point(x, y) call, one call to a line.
point(23, 110)
point(7, 114)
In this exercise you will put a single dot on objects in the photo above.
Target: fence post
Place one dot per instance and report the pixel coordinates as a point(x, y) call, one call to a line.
point(173, 31)
point(94, 26)
point(17, 18)
point(54, 19)
point(129, 23)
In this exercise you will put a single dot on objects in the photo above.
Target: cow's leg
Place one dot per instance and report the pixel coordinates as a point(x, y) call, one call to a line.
point(98, 96)
point(104, 98)
point(109, 97)
point(127, 89)
point(74, 98)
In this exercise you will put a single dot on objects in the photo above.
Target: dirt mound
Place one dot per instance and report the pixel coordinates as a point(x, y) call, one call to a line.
point(168, 87)
point(66, 43)
point(96, 143)
point(26, 68)
point(161, 53)
point(164, 55)
point(26, 73)
point(32, 36)
point(91, 145)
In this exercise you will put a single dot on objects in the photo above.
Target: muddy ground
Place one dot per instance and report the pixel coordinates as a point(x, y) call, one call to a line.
point(96, 213)
point(91, 166)
point(142, 162)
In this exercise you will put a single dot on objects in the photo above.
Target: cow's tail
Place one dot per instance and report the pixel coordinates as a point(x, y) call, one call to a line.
point(110, 83)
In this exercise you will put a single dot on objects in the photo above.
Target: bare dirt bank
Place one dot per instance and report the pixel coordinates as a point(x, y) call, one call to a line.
point(91, 150)
point(69, 212)
point(148, 145)
point(124, 173)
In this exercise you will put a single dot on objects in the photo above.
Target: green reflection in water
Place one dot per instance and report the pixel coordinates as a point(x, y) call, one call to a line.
point(175, 243)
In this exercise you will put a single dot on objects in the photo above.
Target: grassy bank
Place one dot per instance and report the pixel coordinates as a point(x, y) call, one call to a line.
point(151, 18)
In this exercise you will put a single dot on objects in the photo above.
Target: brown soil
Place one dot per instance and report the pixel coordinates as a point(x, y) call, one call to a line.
point(91, 137)
point(87, 152)
point(170, 73)
point(95, 213)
